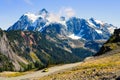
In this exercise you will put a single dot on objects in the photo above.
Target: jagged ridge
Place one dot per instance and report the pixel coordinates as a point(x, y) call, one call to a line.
point(90, 29)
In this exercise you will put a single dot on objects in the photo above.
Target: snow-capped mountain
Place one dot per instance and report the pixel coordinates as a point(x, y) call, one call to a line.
point(90, 29)
point(75, 28)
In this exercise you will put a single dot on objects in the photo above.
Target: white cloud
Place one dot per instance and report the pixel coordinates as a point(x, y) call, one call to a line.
point(28, 2)
point(69, 12)
point(53, 17)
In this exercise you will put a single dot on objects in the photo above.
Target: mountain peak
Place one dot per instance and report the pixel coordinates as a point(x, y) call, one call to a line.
point(92, 19)
point(43, 11)
point(29, 16)
point(96, 21)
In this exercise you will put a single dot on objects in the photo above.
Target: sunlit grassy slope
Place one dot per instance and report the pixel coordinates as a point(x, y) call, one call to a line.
point(14, 74)
point(99, 68)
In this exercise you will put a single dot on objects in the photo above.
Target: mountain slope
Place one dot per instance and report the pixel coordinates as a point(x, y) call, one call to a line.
point(106, 66)
point(27, 50)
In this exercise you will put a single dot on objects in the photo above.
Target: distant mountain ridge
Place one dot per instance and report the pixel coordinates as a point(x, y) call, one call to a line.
point(88, 29)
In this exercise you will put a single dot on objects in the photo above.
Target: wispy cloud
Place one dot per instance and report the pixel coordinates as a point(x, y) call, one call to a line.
point(29, 2)
point(64, 11)
point(67, 11)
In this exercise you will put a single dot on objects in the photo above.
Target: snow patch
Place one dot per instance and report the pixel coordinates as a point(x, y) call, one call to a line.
point(32, 17)
point(98, 31)
point(111, 29)
point(90, 23)
point(73, 36)
point(99, 22)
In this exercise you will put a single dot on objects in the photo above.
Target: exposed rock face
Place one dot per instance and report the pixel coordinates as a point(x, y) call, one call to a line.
point(6, 49)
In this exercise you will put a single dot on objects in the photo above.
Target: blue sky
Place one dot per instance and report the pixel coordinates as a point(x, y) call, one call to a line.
point(105, 10)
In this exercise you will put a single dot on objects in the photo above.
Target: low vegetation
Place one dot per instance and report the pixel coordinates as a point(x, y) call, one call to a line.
point(99, 68)
point(6, 64)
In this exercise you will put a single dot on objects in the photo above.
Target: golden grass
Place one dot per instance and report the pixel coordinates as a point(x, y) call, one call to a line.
point(11, 74)
point(15, 74)
point(112, 45)
point(91, 69)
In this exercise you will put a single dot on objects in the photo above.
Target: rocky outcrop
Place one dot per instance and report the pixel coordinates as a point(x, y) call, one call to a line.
point(113, 44)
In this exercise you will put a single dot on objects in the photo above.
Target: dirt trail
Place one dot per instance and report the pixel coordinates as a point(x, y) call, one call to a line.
point(41, 74)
